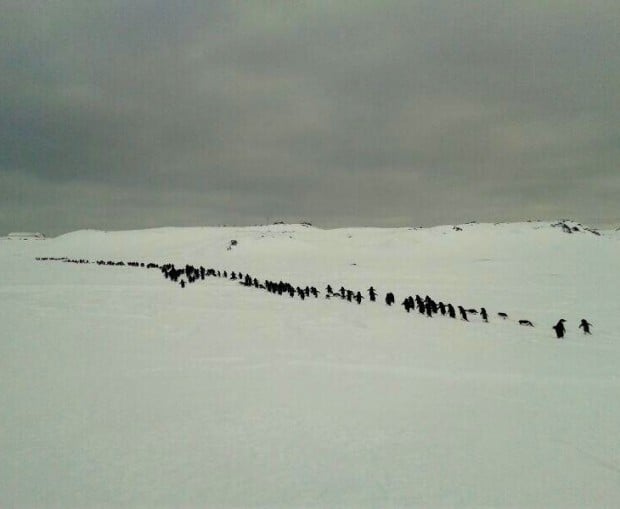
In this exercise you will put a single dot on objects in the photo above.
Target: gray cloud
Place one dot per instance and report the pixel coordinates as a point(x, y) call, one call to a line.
point(129, 115)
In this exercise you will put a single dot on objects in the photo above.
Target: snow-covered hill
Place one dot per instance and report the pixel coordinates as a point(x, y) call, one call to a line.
point(122, 389)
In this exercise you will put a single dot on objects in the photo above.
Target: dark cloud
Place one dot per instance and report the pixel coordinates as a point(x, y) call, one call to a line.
point(129, 115)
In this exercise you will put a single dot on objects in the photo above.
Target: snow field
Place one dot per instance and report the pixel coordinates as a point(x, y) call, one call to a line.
point(121, 389)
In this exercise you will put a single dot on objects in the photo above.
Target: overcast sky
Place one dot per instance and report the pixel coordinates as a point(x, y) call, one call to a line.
point(132, 114)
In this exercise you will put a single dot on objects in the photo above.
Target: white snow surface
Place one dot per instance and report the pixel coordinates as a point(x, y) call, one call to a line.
point(120, 389)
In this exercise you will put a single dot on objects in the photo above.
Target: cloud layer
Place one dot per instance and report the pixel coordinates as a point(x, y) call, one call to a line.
point(134, 114)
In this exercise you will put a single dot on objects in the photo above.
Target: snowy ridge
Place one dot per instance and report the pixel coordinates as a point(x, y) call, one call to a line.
point(483, 265)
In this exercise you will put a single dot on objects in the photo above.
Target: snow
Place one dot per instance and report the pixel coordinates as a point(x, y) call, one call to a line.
point(120, 389)
point(24, 236)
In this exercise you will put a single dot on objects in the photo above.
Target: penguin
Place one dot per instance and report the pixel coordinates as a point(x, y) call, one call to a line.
point(463, 313)
point(559, 328)
point(483, 314)
point(585, 325)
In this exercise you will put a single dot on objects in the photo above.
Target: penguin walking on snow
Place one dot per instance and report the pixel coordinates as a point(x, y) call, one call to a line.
point(372, 293)
point(451, 311)
point(463, 313)
point(585, 325)
point(484, 315)
point(559, 328)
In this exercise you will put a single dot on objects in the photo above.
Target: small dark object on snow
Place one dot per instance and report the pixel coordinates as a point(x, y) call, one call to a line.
point(559, 328)
point(407, 303)
point(463, 313)
point(372, 294)
point(483, 314)
point(585, 325)
point(451, 311)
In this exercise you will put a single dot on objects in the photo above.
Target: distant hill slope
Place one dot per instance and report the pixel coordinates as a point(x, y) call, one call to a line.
point(25, 236)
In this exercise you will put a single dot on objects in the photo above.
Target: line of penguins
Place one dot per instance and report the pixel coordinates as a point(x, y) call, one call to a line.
point(425, 306)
